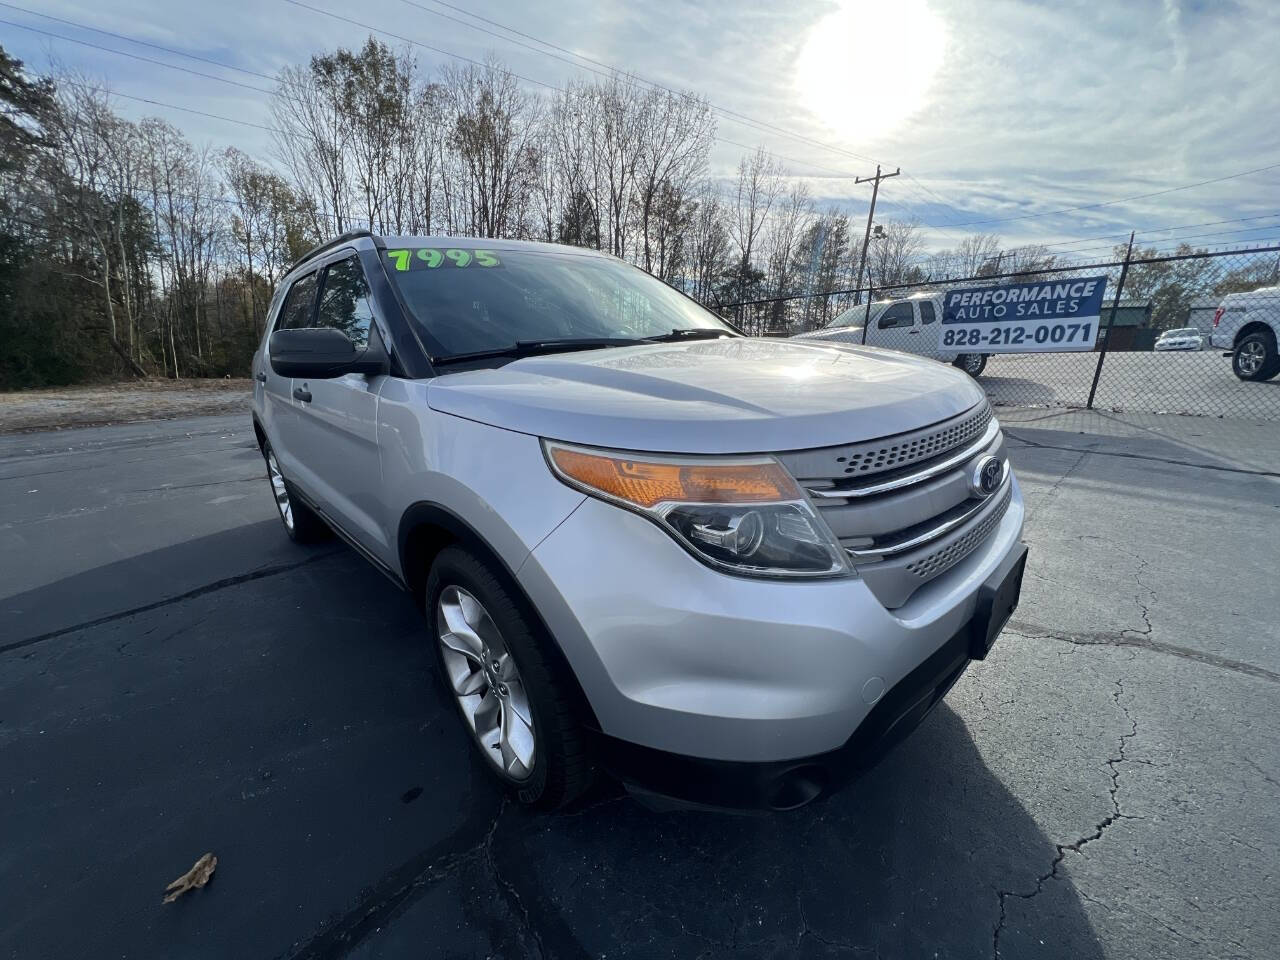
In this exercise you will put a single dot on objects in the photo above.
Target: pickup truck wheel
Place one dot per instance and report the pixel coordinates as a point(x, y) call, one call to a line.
point(972, 363)
point(1255, 357)
point(491, 662)
point(300, 522)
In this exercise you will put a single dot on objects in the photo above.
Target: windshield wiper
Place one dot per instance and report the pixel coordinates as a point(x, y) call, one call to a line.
point(691, 333)
point(529, 348)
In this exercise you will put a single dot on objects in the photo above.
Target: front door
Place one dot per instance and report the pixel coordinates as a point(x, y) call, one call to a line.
point(896, 328)
point(279, 417)
point(337, 419)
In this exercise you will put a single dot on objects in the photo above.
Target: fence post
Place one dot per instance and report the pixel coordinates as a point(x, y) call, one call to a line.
point(1106, 343)
point(866, 317)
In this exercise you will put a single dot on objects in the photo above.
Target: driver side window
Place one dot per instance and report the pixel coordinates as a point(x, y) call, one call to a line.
point(298, 304)
point(344, 302)
point(898, 315)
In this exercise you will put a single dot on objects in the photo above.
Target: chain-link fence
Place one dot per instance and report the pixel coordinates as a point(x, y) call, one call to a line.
point(1166, 323)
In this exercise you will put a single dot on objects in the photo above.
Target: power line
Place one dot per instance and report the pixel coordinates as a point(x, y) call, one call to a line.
point(171, 106)
point(133, 56)
point(143, 43)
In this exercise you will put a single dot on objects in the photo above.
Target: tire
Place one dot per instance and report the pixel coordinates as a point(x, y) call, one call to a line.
point(301, 523)
point(520, 683)
point(1255, 358)
point(971, 363)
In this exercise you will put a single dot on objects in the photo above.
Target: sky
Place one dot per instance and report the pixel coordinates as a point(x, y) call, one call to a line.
point(1002, 115)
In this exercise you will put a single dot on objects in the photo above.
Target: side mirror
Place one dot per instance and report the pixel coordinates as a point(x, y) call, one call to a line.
point(321, 353)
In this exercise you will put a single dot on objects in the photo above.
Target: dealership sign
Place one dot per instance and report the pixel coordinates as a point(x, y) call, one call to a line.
point(1037, 317)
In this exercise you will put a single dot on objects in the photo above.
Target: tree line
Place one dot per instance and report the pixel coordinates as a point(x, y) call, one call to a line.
point(127, 250)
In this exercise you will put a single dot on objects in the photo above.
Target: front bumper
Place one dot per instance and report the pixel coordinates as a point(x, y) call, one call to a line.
point(682, 659)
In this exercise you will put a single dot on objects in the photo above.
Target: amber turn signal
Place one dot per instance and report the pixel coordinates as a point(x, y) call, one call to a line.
point(647, 482)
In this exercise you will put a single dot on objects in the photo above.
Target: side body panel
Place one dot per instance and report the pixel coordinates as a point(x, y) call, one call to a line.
point(495, 481)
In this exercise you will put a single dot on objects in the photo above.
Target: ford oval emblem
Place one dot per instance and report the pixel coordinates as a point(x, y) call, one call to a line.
point(986, 476)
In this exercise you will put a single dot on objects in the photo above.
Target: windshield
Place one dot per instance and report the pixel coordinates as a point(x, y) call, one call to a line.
point(854, 316)
point(466, 300)
point(1186, 332)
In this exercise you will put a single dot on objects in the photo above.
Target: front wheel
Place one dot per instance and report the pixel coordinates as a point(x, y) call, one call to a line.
point(971, 363)
point(1255, 357)
point(300, 522)
point(508, 692)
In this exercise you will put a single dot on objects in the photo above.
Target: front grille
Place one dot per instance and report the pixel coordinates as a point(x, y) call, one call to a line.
point(902, 506)
point(940, 561)
point(891, 453)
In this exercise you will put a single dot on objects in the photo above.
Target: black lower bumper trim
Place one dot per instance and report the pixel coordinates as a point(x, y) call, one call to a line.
point(785, 784)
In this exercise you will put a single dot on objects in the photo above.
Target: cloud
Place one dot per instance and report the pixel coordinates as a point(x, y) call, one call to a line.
point(1034, 107)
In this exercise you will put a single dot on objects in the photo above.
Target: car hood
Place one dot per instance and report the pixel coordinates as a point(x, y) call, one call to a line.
point(711, 396)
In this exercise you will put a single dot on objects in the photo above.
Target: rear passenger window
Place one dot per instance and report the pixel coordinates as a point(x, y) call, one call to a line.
point(344, 301)
point(899, 315)
point(926, 312)
point(298, 302)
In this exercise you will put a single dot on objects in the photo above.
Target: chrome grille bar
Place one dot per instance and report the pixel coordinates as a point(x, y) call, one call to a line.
point(934, 533)
point(907, 480)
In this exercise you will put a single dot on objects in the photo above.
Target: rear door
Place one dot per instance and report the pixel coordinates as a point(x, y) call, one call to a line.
point(337, 419)
point(896, 328)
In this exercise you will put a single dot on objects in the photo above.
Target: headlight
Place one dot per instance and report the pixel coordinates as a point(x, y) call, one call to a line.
point(743, 515)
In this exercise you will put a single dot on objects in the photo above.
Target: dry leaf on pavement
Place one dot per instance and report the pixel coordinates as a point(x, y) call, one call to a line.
point(197, 876)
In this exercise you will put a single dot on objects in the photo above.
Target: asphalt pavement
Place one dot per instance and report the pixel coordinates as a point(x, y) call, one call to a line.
point(1200, 384)
point(177, 678)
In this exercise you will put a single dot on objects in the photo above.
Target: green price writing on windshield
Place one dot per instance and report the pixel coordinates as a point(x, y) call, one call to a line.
point(429, 258)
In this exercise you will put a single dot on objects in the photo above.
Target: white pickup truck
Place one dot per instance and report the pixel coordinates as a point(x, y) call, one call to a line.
point(904, 324)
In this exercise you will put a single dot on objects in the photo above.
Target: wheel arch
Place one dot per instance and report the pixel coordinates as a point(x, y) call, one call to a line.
point(425, 529)
point(1254, 326)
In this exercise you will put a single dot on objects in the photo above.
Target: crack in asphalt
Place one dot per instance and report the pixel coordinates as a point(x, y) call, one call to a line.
point(1171, 461)
point(1052, 492)
point(259, 574)
point(399, 889)
point(807, 931)
point(1141, 640)
point(1077, 845)
point(509, 891)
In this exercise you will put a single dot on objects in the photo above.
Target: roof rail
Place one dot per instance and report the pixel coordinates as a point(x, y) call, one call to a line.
point(329, 244)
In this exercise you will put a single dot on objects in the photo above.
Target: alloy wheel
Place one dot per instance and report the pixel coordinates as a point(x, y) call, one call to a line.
point(973, 364)
point(1251, 358)
point(279, 489)
point(486, 683)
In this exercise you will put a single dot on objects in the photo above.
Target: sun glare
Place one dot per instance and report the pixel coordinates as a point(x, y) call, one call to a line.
point(867, 67)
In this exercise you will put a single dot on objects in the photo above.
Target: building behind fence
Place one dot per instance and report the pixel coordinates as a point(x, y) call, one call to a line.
point(1145, 296)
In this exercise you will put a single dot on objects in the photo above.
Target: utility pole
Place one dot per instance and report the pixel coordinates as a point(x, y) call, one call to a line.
point(866, 238)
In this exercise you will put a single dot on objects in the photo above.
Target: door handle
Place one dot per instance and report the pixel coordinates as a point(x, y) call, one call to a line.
point(260, 377)
point(302, 393)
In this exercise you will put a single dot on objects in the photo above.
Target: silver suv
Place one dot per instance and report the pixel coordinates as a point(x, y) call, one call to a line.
point(729, 571)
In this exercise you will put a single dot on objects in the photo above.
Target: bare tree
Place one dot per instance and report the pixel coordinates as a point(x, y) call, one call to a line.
point(791, 216)
point(98, 158)
point(494, 130)
point(708, 245)
point(760, 179)
point(677, 134)
point(894, 256)
point(312, 137)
